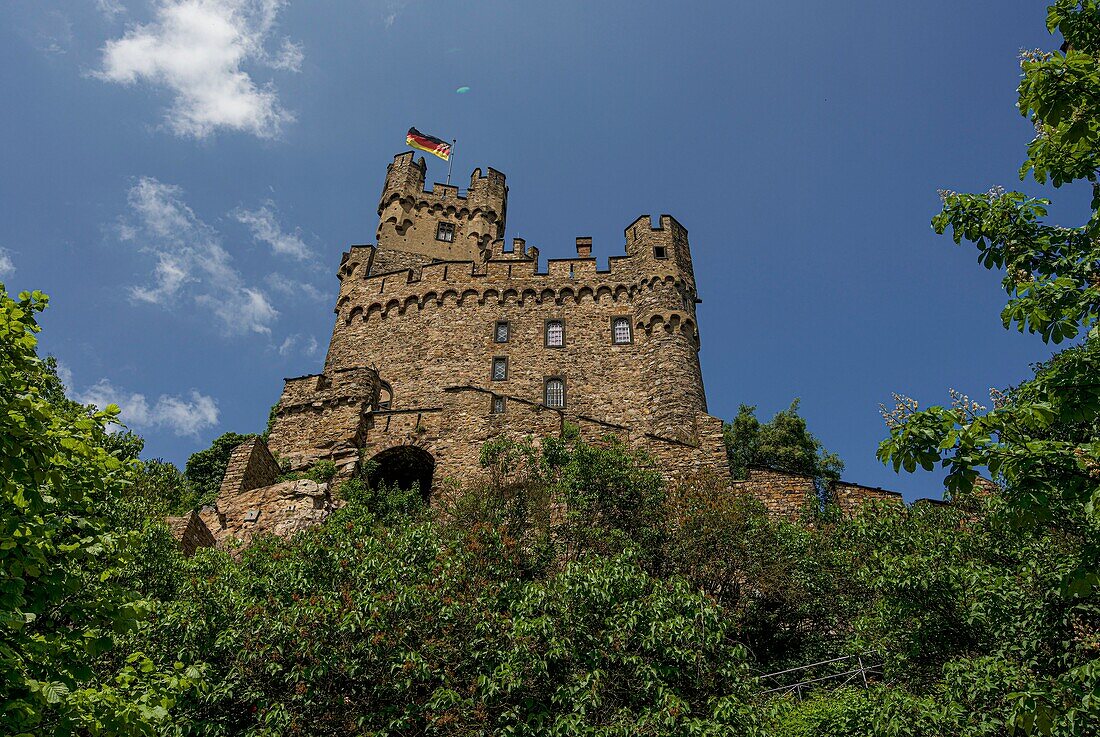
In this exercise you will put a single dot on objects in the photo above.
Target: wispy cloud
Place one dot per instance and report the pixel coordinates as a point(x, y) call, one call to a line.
point(110, 8)
point(179, 415)
point(191, 264)
point(197, 49)
point(7, 266)
point(298, 343)
point(264, 224)
point(294, 288)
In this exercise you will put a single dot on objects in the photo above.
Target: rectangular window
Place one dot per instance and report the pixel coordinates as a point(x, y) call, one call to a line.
point(555, 393)
point(500, 332)
point(555, 333)
point(445, 232)
point(659, 252)
point(620, 331)
point(498, 405)
point(500, 368)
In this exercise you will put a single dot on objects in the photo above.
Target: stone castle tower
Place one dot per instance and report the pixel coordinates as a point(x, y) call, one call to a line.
point(446, 337)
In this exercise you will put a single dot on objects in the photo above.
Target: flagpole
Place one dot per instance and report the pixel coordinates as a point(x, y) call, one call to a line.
point(451, 159)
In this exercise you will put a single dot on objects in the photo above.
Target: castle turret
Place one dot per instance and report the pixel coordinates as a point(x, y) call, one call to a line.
point(440, 224)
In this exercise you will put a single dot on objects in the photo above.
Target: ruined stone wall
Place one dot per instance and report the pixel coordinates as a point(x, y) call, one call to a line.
point(191, 532)
point(783, 494)
point(851, 497)
point(251, 466)
point(323, 416)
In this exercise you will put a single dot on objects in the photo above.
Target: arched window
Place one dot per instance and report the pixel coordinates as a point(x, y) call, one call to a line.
point(555, 333)
point(555, 393)
point(620, 330)
point(385, 397)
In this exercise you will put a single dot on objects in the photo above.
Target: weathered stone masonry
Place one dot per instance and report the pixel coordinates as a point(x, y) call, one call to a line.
point(417, 325)
point(443, 339)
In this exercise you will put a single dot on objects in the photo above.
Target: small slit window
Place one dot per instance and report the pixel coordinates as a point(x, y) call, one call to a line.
point(620, 331)
point(555, 393)
point(555, 333)
point(498, 405)
point(500, 369)
point(501, 332)
point(445, 232)
point(660, 252)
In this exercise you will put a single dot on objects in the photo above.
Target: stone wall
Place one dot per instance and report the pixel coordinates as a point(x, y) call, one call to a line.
point(783, 494)
point(850, 497)
point(191, 532)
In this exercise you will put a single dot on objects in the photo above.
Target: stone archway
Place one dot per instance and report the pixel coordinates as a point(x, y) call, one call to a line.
point(405, 466)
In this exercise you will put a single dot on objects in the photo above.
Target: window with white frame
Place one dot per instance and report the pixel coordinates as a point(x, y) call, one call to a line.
point(555, 333)
point(500, 332)
point(620, 330)
point(555, 393)
point(445, 232)
point(500, 368)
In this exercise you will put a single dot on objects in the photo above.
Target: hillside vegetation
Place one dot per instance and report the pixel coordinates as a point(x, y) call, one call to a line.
point(572, 591)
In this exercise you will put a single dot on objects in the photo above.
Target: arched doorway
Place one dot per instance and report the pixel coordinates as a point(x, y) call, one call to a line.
point(405, 466)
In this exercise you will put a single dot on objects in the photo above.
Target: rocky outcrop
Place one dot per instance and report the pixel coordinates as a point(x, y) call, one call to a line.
point(252, 502)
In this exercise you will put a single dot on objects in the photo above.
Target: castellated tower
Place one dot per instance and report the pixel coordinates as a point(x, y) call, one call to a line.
point(446, 336)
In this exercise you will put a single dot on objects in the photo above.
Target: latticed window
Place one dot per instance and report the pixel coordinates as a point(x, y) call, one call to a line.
point(500, 334)
point(498, 405)
point(500, 369)
point(555, 333)
point(555, 393)
point(445, 232)
point(620, 330)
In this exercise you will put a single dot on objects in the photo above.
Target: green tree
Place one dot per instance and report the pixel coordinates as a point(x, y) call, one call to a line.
point(784, 443)
point(1039, 439)
point(62, 605)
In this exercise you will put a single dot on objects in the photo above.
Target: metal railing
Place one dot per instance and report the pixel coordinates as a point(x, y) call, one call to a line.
point(861, 669)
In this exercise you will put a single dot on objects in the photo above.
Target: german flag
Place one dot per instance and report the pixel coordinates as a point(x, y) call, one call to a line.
point(429, 144)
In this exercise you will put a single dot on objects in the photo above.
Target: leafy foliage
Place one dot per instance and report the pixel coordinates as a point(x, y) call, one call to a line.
point(784, 443)
point(63, 543)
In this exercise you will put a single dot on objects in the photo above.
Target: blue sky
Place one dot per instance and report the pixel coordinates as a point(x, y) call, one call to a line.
point(181, 177)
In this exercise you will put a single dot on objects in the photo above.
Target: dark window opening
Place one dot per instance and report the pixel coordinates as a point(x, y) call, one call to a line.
point(660, 252)
point(445, 232)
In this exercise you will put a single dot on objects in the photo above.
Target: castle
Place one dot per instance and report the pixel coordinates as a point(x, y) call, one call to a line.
point(446, 337)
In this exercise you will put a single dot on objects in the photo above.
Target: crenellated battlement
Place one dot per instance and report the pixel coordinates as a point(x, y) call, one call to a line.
point(443, 300)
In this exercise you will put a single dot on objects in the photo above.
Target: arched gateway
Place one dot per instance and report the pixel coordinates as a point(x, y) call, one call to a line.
point(405, 466)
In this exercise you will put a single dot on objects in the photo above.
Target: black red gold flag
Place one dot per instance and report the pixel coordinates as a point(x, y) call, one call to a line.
point(428, 144)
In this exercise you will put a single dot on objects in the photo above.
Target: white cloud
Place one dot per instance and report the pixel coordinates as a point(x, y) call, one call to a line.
point(264, 224)
point(175, 413)
point(197, 50)
point(191, 264)
point(291, 288)
point(7, 266)
point(297, 343)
